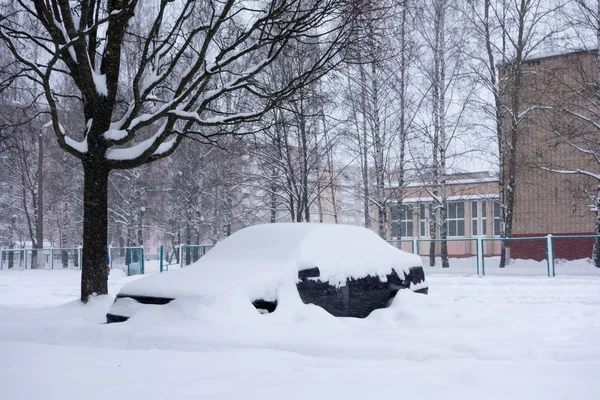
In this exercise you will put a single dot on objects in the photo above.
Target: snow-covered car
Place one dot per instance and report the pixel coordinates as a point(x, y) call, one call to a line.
point(349, 271)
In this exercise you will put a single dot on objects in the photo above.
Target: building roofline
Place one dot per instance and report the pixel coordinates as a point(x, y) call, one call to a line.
point(558, 54)
point(551, 55)
point(471, 181)
point(449, 182)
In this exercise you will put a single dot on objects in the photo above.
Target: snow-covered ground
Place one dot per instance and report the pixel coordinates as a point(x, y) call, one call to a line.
point(498, 337)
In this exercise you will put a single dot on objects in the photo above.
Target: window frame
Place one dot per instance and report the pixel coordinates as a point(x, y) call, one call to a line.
point(496, 229)
point(403, 224)
point(456, 220)
point(474, 218)
point(484, 217)
point(423, 224)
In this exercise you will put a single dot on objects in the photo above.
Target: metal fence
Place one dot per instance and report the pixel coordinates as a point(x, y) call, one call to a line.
point(563, 248)
point(128, 259)
point(547, 255)
point(527, 264)
point(190, 253)
point(430, 250)
point(49, 258)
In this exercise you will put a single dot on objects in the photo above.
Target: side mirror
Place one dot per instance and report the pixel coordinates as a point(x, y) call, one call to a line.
point(309, 273)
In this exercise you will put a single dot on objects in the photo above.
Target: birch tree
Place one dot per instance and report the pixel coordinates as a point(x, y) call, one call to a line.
point(377, 95)
point(509, 31)
point(444, 38)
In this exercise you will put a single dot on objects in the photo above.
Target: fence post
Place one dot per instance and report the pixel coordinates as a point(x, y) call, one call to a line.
point(478, 251)
point(549, 254)
point(1, 259)
point(79, 257)
point(52, 258)
point(143, 261)
point(160, 257)
point(482, 257)
point(415, 245)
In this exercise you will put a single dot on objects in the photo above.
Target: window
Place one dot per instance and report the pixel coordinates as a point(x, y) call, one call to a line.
point(422, 220)
point(456, 218)
point(474, 219)
point(496, 219)
point(484, 217)
point(406, 221)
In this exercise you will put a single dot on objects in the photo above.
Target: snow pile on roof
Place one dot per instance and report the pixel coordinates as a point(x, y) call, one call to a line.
point(262, 258)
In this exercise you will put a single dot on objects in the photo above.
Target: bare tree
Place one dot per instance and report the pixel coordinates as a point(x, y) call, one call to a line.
point(381, 105)
point(26, 180)
point(510, 31)
point(444, 39)
point(192, 55)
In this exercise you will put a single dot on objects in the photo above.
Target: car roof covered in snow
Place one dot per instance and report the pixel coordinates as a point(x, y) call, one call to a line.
point(261, 257)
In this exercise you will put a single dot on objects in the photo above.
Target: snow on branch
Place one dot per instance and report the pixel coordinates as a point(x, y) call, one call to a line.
point(588, 152)
point(136, 151)
point(584, 118)
point(81, 147)
point(196, 65)
point(529, 109)
point(574, 172)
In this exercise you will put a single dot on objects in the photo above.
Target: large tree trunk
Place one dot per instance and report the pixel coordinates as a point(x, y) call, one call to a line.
point(94, 277)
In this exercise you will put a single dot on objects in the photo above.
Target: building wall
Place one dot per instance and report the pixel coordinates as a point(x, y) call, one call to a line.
point(482, 190)
point(546, 201)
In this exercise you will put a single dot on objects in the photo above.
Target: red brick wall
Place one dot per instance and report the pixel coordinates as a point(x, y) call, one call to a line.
point(568, 249)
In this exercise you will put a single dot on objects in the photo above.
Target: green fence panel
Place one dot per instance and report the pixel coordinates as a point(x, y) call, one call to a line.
point(543, 240)
point(575, 247)
point(190, 253)
point(128, 259)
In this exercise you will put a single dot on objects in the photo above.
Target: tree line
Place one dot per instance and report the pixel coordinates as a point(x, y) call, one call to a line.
point(196, 118)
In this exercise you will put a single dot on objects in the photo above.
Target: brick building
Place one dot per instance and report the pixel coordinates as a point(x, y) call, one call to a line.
point(472, 212)
point(554, 89)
